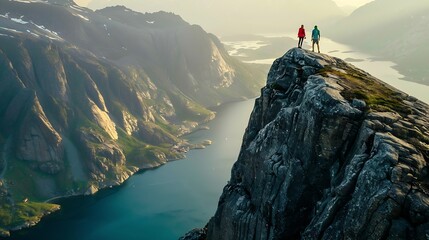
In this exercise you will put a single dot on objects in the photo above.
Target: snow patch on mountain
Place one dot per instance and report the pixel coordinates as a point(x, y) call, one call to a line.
point(32, 33)
point(10, 30)
point(5, 35)
point(81, 16)
point(78, 8)
point(19, 20)
point(6, 15)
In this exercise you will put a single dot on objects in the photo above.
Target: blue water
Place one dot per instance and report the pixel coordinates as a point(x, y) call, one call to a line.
point(163, 203)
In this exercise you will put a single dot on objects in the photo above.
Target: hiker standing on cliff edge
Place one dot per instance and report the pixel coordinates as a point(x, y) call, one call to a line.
point(301, 36)
point(315, 37)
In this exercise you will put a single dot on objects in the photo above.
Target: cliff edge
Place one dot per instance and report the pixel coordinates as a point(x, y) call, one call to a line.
point(330, 152)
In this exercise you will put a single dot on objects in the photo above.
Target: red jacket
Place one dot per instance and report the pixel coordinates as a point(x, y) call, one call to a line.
point(301, 32)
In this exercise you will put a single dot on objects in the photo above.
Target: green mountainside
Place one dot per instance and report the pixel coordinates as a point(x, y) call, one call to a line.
point(89, 98)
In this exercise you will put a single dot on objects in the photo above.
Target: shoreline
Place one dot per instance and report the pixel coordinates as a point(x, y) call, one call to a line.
point(139, 170)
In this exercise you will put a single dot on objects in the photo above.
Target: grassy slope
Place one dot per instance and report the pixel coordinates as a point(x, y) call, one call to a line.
point(379, 97)
point(23, 214)
point(359, 85)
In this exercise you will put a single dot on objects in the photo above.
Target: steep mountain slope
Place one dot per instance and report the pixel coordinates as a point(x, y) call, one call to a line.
point(394, 29)
point(330, 152)
point(89, 98)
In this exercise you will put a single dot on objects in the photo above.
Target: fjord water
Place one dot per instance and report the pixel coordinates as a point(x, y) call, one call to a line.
point(167, 202)
point(380, 68)
point(163, 203)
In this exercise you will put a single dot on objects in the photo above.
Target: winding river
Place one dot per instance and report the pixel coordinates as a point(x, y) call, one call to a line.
point(166, 202)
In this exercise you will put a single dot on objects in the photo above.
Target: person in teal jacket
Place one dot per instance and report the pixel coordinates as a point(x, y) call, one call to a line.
point(315, 37)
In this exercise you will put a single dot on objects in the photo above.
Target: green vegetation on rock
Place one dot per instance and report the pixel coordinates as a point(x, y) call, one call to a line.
point(23, 214)
point(377, 95)
point(379, 98)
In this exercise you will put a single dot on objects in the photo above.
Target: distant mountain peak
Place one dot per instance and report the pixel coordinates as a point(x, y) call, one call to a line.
point(133, 18)
point(62, 2)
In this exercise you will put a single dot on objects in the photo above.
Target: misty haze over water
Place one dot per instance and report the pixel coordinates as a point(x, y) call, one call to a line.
point(380, 68)
point(393, 29)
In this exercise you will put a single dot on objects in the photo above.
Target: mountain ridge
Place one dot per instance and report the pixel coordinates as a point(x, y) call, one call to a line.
point(89, 98)
point(247, 14)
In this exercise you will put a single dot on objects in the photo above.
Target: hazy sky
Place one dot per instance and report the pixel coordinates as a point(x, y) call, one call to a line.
point(226, 17)
point(354, 3)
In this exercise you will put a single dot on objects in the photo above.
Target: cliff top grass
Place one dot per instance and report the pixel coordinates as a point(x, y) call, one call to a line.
point(378, 96)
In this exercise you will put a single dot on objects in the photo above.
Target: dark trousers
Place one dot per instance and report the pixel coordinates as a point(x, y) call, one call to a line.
point(301, 40)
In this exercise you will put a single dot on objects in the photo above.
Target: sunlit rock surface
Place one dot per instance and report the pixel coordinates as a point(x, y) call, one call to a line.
point(330, 152)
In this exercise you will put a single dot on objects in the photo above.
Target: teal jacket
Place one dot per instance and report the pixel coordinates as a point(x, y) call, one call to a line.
point(315, 34)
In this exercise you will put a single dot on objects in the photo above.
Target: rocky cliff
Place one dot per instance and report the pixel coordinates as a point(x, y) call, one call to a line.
point(330, 152)
point(89, 98)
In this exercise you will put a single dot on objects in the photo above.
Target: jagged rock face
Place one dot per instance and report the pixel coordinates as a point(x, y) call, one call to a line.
point(318, 163)
point(38, 141)
point(117, 83)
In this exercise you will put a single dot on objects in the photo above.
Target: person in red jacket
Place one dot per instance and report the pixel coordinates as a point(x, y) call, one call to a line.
point(301, 36)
